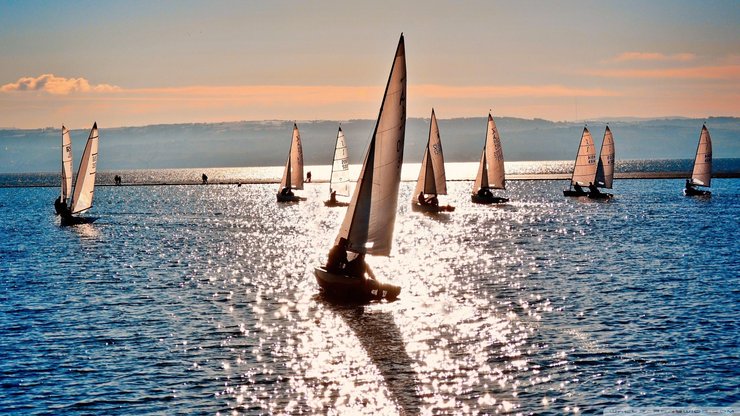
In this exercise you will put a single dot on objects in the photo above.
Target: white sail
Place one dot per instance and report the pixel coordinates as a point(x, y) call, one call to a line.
point(368, 225)
point(584, 172)
point(491, 169)
point(293, 173)
point(702, 173)
point(66, 164)
point(339, 179)
point(85, 182)
point(605, 169)
point(432, 180)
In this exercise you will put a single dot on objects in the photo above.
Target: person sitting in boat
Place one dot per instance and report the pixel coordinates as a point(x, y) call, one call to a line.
point(357, 267)
point(337, 261)
point(594, 190)
point(578, 188)
point(333, 197)
point(485, 193)
point(286, 191)
point(690, 186)
point(422, 200)
point(308, 176)
point(432, 200)
point(62, 209)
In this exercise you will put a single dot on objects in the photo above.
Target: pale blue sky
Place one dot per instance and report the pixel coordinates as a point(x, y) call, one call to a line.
point(513, 48)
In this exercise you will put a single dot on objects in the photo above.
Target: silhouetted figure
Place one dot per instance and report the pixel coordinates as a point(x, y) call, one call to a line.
point(337, 260)
point(333, 196)
point(357, 266)
point(594, 190)
point(205, 178)
point(308, 176)
point(421, 199)
point(117, 179)
point(62, 209)
point(690, 186)
point(432, 200)
point(578, 188)
point(286, 192)
point(485, 193)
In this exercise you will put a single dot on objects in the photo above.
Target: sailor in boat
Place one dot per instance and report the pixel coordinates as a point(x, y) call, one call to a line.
point(308, 176)
point(432, 200)
point(338, 262)
point(485, 193)
point(690, 188)
point(286, 191)
point(594, 191)
point(333, 197)
point(62, 209)
point(579, 189)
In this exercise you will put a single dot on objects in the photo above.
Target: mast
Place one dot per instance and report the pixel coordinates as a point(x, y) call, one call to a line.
point(85, 183)
point(368, 224)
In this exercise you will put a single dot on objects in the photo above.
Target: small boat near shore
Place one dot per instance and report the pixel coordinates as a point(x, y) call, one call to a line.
point(491, 173)
point(339, 177)
point(584, 170)
point(293, 173)
point(84, 186)
point(368, 224)
point(605, 169)
point(701, 174)
point(432, 181)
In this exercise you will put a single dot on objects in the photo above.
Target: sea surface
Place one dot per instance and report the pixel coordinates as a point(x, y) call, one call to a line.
point(202, 300)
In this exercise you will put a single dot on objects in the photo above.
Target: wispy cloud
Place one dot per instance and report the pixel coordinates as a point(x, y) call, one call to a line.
point(53, 84)
point(653, 56)
point(720, 72)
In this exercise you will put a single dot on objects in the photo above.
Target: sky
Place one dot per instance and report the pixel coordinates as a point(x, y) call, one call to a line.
point(130, 63)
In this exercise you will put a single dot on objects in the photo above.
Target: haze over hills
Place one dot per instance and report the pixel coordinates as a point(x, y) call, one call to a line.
point(265, 143)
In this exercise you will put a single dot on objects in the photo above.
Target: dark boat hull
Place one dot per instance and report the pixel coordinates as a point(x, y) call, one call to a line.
point(600, 195)
point(572, 192)
point(696, 192)
point(415, 206)
point(354, 289)
point(477, 199)
point(330, 203)
point(289, 198)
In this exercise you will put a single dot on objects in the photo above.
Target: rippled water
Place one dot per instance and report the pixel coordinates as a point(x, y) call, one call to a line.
point(201, 299)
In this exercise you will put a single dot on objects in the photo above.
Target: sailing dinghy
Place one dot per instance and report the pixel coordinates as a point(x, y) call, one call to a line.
point(293, 173)
point(701, 175)
point(84, 187)
point(368, 224)
point(605, 168)
point(432, 181)
point(339, 178)
point(584, 171)
point(491, 169)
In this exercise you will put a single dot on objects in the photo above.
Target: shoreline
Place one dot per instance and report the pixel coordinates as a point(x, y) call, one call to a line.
point(518, 177)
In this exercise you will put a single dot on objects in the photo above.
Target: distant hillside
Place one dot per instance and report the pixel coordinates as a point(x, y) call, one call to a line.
point(266, 143)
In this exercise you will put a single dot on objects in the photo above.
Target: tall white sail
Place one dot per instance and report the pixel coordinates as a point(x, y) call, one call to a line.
point(585, 169)
point(432, 178)
point(368, 225)
point(85, 182)
point(66, 164)
point(605, 169)
point(491, 169)
point(339, 180)
point(293, 173)
point(702, 173)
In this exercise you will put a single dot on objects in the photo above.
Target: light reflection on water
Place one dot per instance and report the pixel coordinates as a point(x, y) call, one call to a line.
point(202, 299)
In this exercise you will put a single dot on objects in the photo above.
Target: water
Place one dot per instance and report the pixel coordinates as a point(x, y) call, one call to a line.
point(201, 299)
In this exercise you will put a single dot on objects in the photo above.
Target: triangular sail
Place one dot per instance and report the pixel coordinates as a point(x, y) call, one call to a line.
point(584, 172)
point(432, 180)
point(339, 180)
point(85, 182)
point(293, 173)
point(66, 164)
point(368, 225)
point(491, 169)
point(605, 169)
point(702, 173)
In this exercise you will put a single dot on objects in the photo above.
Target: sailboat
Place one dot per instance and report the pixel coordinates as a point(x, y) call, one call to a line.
point(293, 173)
point(368, 224)
point(432, 179)
point(584, 171)
point(605, 168)
point(491, 169)
point(701, 175)
point(339, 178)
point(84, 187)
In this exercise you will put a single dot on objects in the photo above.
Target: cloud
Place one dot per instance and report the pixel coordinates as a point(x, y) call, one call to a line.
point(720, 72)
point(55, 85)
point(653, 56)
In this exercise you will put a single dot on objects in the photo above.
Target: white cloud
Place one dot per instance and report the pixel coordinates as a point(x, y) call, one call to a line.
point(53, 84)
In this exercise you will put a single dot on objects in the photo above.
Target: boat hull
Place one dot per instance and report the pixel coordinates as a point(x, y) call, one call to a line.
point(600, 195)
point(415, 206)
point(354, 289)
point(477, 199)
point(696, 192)
point(573, 192)
point(289, 198)
point(330, 203)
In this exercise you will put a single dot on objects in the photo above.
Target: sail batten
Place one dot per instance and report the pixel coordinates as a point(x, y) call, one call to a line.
point(293, 173)
point(605, 168)
point(701, 174)
point(491, 172)
point(84, 188)
point(368, 224)
point(584, 172)
point(66, 165)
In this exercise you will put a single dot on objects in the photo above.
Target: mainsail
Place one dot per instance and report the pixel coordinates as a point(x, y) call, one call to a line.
point(585, 169)
point(85, 182)
point(66, 164)
point(293, 174)
point(491, 169)
point(702, 173)
point(368, 225)
point(605, 169)
point(339, 179)
point(432, 179)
